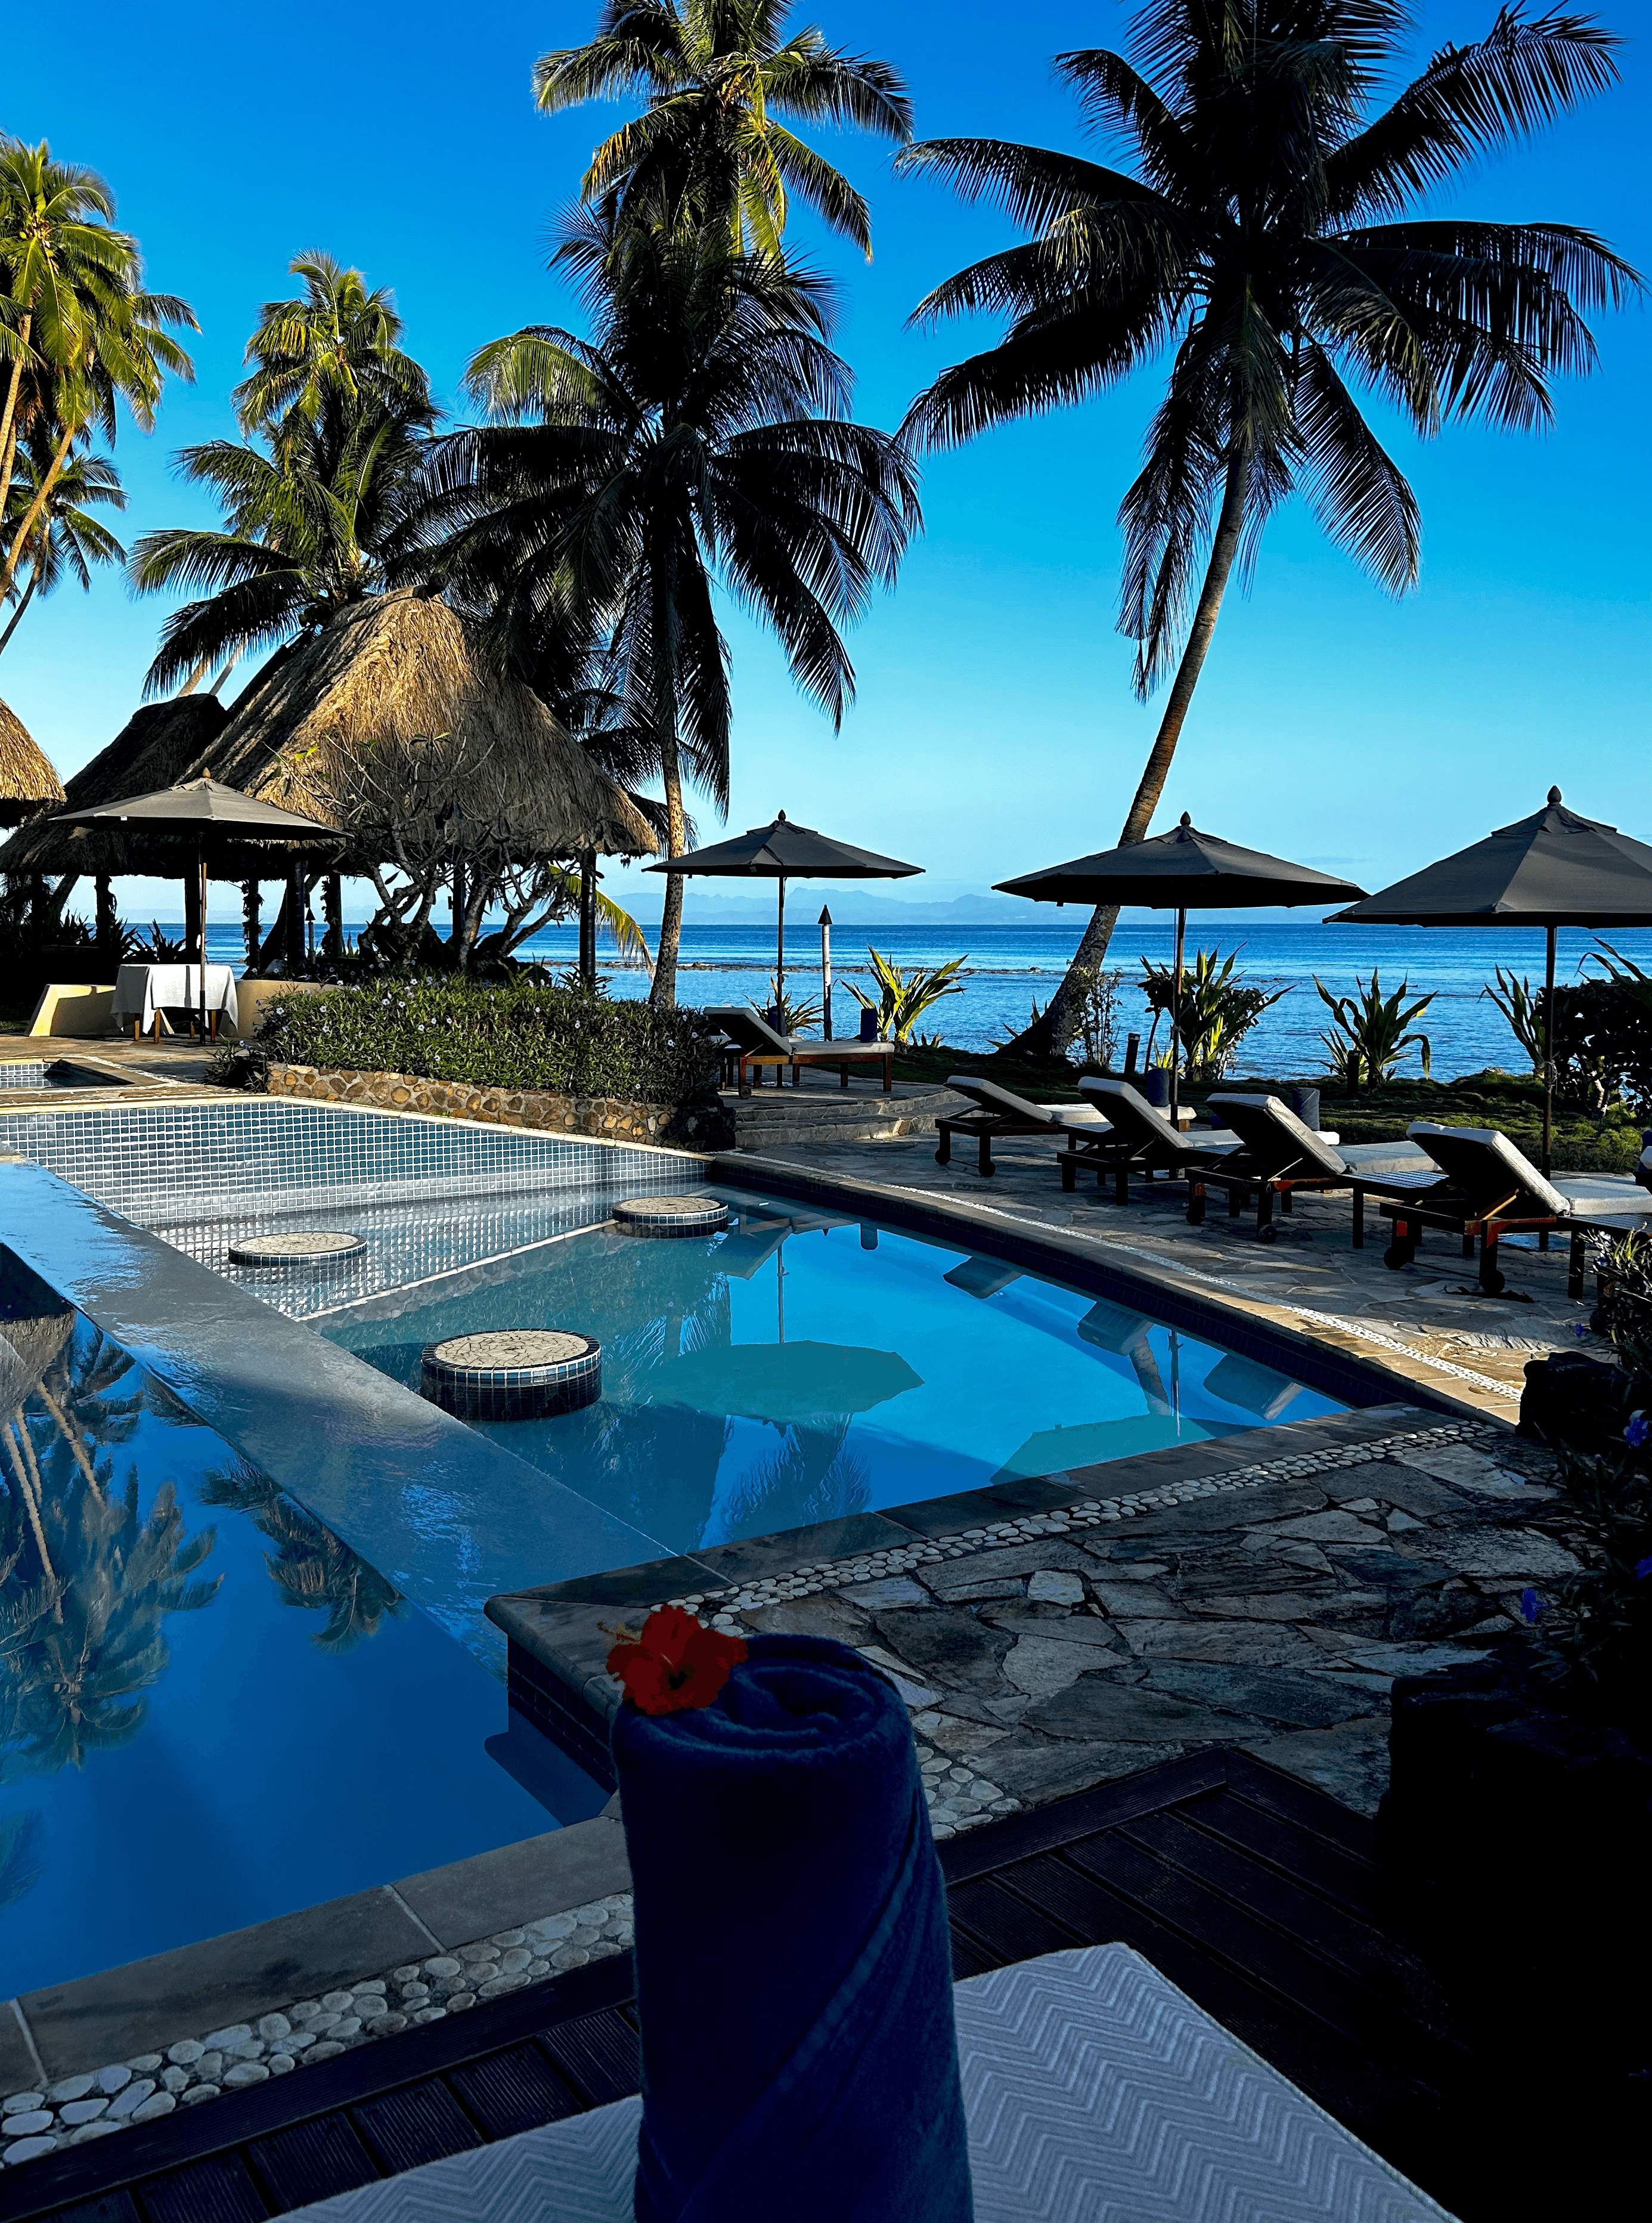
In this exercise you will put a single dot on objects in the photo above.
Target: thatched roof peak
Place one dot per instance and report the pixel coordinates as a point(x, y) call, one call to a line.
point(27, 782)
point(396, 690)
point(154, 748)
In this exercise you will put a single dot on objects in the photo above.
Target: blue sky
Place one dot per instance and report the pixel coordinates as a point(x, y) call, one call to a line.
point(996, 730)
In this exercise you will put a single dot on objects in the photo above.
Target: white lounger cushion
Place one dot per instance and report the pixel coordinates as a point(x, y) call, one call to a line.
point(1005, 1104)
point(1095, 2092)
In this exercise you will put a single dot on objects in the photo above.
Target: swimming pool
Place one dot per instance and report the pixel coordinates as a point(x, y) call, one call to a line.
point(212, 1710)
point(805, 1365)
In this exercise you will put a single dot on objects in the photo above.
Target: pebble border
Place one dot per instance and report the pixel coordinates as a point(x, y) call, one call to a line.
point(960, 1797)
point(76, 2110)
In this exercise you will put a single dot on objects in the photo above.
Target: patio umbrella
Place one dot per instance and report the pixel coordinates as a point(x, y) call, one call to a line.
point(1183, 870)
point(204, 808)
point(1551, 870)
point(783, 852)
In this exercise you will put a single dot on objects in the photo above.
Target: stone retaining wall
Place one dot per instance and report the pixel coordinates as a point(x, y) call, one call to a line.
point(609, 1117)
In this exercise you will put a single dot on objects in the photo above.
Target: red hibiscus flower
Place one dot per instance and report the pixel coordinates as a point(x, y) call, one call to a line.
point(676, 1662)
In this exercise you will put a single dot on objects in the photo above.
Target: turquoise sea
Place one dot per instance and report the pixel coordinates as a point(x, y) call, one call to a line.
point(1007, 968)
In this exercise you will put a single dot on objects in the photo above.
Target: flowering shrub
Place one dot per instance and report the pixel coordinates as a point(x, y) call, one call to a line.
point(514, 1035)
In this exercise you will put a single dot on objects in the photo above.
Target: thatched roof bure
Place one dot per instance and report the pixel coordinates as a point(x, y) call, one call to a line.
point(396, 691)
point(154, 748)
point(27, 782)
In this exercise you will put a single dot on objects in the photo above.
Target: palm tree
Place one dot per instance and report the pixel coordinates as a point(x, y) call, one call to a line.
point(317, 496)
point(1262, 239)
point(709, 148)
point(68, 540)
point(82, 333)
point(57, 254)
point(700, 438)
point(334, 344)
point(311, 1568)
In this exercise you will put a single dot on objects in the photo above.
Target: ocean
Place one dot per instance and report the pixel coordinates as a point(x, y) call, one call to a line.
point(1007, 968)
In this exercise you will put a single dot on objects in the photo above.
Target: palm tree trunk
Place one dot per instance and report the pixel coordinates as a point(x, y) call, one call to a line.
point(28, 597)
point(42, 496)
point(1059, 1024)
point(662, 995)
point(9, 418)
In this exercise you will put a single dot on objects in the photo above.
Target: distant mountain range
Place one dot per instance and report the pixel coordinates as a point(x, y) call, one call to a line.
point(854, 906)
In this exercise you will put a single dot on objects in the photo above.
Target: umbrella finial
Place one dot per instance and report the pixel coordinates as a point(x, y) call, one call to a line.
point(781, 820)
point(1553, 795)
point(1187, 818)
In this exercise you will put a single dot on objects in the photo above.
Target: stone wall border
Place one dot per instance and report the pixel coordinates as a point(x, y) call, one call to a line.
point(607, 1119)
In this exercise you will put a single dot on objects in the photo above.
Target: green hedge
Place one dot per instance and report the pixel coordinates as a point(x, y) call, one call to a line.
point(511, 1035)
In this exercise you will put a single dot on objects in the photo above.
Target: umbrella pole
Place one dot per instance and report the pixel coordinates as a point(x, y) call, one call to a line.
point(1549, 1050)
point(1176, 1023)
point(779, 959)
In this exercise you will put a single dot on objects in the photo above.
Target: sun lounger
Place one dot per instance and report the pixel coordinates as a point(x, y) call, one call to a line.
point(1000, 1113)
point(1140, 1140)
point(1278, 1153)
point(755, 1043)
point(1490, 1189)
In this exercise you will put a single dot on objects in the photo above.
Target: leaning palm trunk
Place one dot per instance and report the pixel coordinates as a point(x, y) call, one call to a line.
point(32, 515)
point(9, 418)
point(1055, 1029)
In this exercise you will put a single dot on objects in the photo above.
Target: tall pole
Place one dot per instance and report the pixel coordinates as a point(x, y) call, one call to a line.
point(1549, 1049)
point(588, 919)
point(779, 959)
point(200, 868)
point(826, 972)
point(1176, 1023)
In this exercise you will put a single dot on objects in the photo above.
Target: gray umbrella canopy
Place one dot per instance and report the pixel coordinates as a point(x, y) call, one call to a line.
point(782, 1382)
point(1182, 871)
point(784, 852)
point(1551, 870)
point(205, 809)
point(205, 806)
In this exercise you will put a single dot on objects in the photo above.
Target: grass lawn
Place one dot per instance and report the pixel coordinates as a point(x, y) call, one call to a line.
point(1513, 1102)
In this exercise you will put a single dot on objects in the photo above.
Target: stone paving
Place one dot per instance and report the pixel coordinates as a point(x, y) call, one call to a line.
point(1427, 1320)
point(76, 2110)
point(1269, 1607)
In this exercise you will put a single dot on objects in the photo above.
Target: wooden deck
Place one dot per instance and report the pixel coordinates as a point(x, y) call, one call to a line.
point(1256, 1895)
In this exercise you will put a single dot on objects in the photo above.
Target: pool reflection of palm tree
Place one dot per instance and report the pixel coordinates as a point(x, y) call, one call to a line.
point(84, 1580)
point(312, 1567)
point(812, 1476)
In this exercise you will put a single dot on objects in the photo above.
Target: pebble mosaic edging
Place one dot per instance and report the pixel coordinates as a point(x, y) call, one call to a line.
point(959, 1797)
point(78, 2109)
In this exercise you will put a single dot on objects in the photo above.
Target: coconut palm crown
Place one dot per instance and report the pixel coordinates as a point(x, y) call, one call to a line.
point(718, 76)
point(1263, 240)
point(701, 439)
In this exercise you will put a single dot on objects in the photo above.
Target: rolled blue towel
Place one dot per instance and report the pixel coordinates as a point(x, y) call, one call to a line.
point(794, 1966)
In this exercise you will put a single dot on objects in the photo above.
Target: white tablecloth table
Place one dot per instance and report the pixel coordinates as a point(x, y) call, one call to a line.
point(142, 991)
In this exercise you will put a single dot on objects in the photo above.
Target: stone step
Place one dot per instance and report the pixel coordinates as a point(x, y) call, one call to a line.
point(771, 1117)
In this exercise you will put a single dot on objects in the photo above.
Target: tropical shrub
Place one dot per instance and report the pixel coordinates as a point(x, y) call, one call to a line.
point(903, 997)
point(1216, 1012)
point(1369, 1038)
point(1097, 1013)
point(1602, 1036)
point(520, 1034)
point(796, 1016)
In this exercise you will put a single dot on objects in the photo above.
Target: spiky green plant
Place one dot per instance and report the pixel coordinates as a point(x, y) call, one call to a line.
point(1216, 1012)
point(1369, 1038)
point(1524, 1011)
point(903, 997)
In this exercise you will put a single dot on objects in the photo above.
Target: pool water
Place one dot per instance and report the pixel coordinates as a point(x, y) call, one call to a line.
point(211, 1710)
point(805, 1365)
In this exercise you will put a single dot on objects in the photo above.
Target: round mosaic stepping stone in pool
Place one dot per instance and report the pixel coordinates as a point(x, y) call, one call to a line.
point(668, 1216)
point(513, 1374)
point(315, 1246)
